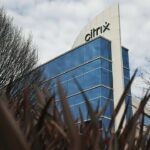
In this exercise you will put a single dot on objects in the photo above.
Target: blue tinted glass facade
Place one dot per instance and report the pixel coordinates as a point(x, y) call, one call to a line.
point(126, 72)
point(91, 65)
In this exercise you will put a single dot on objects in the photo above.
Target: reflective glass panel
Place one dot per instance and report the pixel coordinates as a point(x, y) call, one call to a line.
point(125, 57)
point(92, 78)
point(105, 47)
point(92, 50)
point(106, 77)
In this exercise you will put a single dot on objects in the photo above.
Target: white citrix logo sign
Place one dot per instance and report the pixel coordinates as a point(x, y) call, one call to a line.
point(95, 32)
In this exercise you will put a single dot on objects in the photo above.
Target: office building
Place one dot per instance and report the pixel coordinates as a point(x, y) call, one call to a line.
point(99, 63)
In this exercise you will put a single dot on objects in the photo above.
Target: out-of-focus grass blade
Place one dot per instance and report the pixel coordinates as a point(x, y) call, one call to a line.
point(57, 116)
point(61, 131)
point(27, 110)
point(131, 125)
point(10, 134)
point(122, 119)
point(73, 132)
point(93, 118)
point(100, 113)
point(121, 101)
point(139, 138)
point(40, 95)
point(81, 120)
point(43, 113)
point(97, 107)
point(81, 116)
point(146, 137)
point(88, 105)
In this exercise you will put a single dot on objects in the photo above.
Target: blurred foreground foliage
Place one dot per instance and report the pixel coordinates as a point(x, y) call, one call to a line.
point(44, 127)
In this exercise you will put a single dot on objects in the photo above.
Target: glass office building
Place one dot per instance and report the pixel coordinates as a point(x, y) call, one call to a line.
point(100, 65)
point(91, 65)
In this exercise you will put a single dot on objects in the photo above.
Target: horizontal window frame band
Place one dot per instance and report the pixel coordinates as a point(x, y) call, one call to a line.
point(128, 68)
point(69, 51)
point(106, 117)
point(85, 90)
point(100, 119)
point(124, 67)
point(100, 57)
point(84, 74)
point(91, 100)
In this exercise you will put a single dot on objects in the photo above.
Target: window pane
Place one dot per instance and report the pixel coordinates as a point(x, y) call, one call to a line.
point(92, 50)
point(106, 64)
point(107, 93)
point(94, 103)
point(129, 112)
point(106, 77)
point(92, 65)
point(74, 100)
point(75, 112)
point(84, 111)
point(76, 72)
point(125, 57)
point(105, 123)
point(126, 73)
point(109, 108)
point(92, 78)
point(126, 81)
point(93, 93)
point(72, 86)
point(105, 47)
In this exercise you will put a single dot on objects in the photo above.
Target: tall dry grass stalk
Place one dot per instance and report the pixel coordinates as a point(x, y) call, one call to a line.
point(44, 127)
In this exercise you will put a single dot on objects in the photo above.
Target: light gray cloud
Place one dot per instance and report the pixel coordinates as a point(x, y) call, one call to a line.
point(55, 24)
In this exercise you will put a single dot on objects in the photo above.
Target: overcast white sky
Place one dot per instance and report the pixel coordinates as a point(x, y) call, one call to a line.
point(54, 24)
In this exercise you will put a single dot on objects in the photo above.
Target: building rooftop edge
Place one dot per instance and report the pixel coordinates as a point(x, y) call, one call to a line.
point(72, 50)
